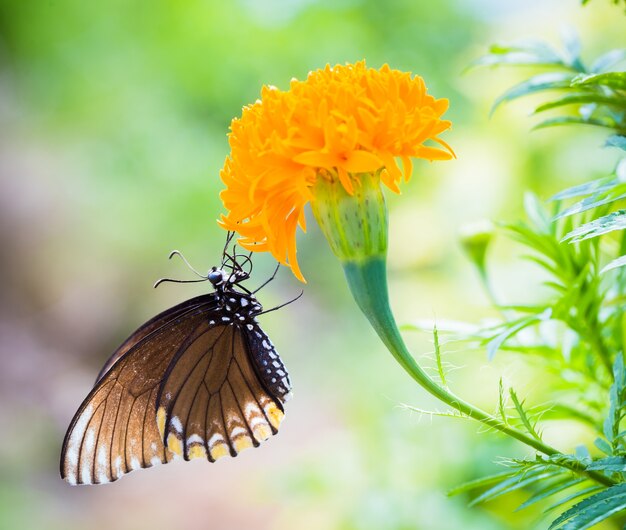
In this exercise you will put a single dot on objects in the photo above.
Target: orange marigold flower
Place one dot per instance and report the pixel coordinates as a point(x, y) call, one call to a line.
point(340, 122)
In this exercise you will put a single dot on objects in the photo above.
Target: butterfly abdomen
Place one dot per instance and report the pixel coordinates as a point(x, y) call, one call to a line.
point(241, 309)
point(269, 366)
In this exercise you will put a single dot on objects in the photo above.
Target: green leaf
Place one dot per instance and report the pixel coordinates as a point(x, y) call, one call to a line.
point(536, 213)
point(594, 186)
point(588, 203)
point(611, 424)
point(603, 225)
point(571, 99)
point(572, 46)
point(608, 60)
point(531, 47)
point(593, 509)
point(442, 375)
point(575, 120)
point(523, 416)
point(614, 80)
point(519, 481)
point(612, 463)
point(480, 483)
point(551, 489)
point(494, 344)
point(537, 83)
point(516, 58)
point(575, 495)
point(604, 446)
point(616, 140)
point(502, 403)
point(619, 262)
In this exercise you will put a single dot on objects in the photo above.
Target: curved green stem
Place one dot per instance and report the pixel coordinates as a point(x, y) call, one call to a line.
point(367, 280)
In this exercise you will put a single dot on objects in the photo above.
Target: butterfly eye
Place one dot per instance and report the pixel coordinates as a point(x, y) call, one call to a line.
point(215, 276)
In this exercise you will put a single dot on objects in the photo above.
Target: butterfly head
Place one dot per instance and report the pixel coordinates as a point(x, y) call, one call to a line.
point(221, 279)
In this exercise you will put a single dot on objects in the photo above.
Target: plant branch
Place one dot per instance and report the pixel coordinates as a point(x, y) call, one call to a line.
point(368, 283)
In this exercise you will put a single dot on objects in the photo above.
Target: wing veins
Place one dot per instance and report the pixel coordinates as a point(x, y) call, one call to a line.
point(206, 415)
point(243, 376)
point(255, 397)
point(130, 413)
point(143, 430)
point(95, 451)
point(233, 453)
point(243, 416)
point(230, 442)
point(117, 413)
point(174, 316)
point(173, 363)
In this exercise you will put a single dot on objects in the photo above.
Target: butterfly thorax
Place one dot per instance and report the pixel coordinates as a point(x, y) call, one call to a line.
point(237, 307)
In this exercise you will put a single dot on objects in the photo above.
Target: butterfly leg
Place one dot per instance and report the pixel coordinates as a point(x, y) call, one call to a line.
point(281, 305)
point(269, 279)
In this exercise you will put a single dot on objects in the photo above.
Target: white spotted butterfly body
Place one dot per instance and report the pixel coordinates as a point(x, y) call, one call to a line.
point(200, 380)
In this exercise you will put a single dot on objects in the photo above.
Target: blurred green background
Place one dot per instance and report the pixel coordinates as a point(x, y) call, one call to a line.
point(113, 122)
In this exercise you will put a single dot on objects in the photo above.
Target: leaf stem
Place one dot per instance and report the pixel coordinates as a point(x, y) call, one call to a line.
point(367, 280)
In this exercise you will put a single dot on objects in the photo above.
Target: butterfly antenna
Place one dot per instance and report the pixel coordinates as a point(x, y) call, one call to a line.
point(171, 280)
point(269, 279)
point(180, 255)
point(282, 305)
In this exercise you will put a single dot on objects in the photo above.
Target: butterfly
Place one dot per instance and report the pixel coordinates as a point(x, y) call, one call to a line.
point(199, 380)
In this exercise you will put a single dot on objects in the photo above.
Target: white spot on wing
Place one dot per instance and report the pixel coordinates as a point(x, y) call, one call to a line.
point(244, 302)
point(176, 424)
point(256, 421)
point(251, 410)
point(90, 440)
point(102, 478)
point(71, 455)
point(217, 437)
point(118, 467)
point(195, 439)
point(237, 431)
point(78, 432)
point(85, 471)
point(134, 463)
point(71, 478)
point(102, 456)
point(155, 461)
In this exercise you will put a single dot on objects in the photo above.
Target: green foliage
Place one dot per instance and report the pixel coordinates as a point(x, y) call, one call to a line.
point(577, 332)
point(529, 425)
point(593, 509)
point(440, 370)
point(595, 95)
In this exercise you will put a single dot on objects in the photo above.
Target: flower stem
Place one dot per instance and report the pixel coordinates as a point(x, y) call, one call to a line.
point(367, 280)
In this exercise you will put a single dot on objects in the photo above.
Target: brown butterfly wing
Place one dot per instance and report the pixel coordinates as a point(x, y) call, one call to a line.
point(150, 326)
point(213, 402)
point(114, 430)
